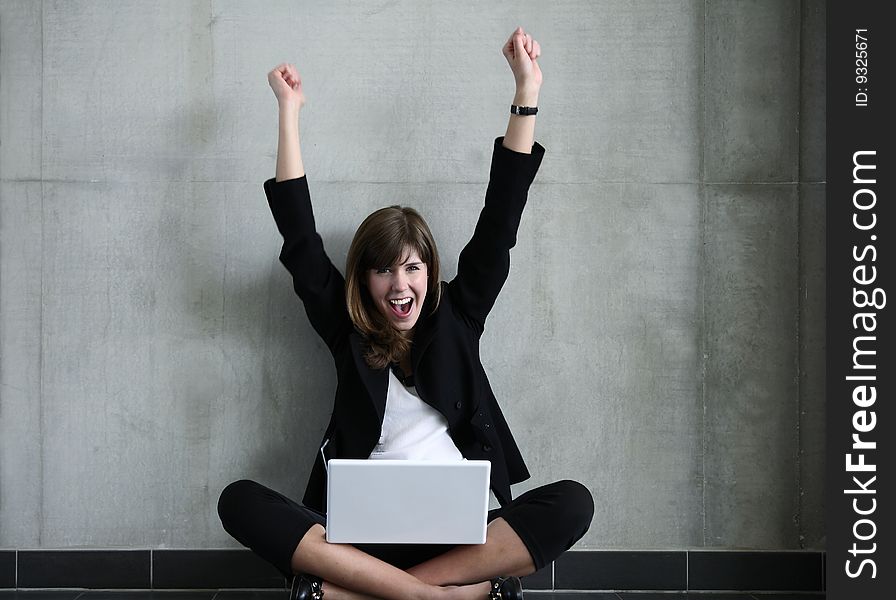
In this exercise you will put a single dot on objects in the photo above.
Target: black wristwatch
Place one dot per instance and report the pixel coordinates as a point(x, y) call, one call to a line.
point(523, 110)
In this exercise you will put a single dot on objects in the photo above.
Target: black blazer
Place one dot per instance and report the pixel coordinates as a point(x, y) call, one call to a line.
point(445, 351)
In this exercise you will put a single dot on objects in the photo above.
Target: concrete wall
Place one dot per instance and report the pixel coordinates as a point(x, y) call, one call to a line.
point(666, 300)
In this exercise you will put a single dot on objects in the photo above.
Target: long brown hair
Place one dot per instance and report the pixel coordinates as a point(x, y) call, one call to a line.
point(384, 239)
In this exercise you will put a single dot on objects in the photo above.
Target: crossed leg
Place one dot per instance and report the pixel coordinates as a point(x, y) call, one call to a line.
point(503, 553)
point(462, 573)
point(555, 517)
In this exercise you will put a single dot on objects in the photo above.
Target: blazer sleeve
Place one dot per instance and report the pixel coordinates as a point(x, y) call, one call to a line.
point(318, 283)
point(484, 263)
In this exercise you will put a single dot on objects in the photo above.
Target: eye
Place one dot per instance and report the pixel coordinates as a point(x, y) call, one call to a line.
point(413, 268)
point(383, 270)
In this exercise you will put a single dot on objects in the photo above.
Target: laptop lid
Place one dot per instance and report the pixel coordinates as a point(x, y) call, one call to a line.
point(407, 501)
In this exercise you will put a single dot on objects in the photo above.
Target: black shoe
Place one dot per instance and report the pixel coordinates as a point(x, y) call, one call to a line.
point(306, 587)
point(506, 588)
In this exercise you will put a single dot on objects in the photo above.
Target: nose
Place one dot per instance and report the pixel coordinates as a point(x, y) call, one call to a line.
point(399, 280)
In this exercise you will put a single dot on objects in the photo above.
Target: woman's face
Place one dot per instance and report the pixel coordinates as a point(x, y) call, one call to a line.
point(398, 291)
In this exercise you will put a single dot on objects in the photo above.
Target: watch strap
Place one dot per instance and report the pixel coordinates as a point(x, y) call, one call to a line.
point(523, 110)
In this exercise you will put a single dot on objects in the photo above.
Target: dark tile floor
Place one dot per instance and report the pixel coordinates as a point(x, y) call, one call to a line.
point(281, 595)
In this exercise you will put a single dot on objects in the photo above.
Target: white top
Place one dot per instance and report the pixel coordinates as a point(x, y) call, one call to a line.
point(412, 429)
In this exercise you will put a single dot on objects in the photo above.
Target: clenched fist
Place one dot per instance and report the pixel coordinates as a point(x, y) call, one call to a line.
point(521, 52)
point(287, 85)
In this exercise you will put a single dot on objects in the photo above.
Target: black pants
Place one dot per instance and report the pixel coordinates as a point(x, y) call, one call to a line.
point(548, 519)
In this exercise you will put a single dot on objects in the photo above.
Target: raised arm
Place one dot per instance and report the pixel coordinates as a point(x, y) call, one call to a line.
point(484, 263)
point(315, 279)
point(521, 52)
point(287, 86)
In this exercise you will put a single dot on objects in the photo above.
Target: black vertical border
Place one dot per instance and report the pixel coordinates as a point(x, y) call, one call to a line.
point(850, 129)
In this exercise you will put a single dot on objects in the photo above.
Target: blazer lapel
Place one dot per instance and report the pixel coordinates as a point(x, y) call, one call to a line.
point(423, 337)
point(376, 381)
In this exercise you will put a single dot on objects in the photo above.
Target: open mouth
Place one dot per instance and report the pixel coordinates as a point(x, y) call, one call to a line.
point(401, 307)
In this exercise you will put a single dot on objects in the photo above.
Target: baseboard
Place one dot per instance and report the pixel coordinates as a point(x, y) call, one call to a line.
point(598, 570)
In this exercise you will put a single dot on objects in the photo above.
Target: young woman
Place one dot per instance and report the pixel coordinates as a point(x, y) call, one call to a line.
point(410, 383)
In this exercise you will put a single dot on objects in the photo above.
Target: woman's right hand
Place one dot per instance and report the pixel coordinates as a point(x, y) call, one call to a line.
point(287, 85)
point(522, 52)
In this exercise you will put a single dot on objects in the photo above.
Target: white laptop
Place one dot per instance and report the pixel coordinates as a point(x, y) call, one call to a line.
point(407, 501)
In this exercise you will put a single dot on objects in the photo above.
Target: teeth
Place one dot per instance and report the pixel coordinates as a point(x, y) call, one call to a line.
point(400, 302)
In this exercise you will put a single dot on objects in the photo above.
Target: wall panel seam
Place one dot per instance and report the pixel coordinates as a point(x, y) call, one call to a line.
point(701, 262)
point(799, 288)
point(40, 353)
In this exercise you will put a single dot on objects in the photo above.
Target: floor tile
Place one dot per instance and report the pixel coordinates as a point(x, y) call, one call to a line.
point(213, 570)
point(146, 595)
point(621, 570)
point(7, 567)
point(252, 595)
point(85, 569)
point(40, 594)
point(684, 596)
point(787, 572)
point(788, 596)
point(571, 596)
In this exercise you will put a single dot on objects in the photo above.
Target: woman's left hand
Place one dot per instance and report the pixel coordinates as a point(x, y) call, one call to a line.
point(521, 52)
